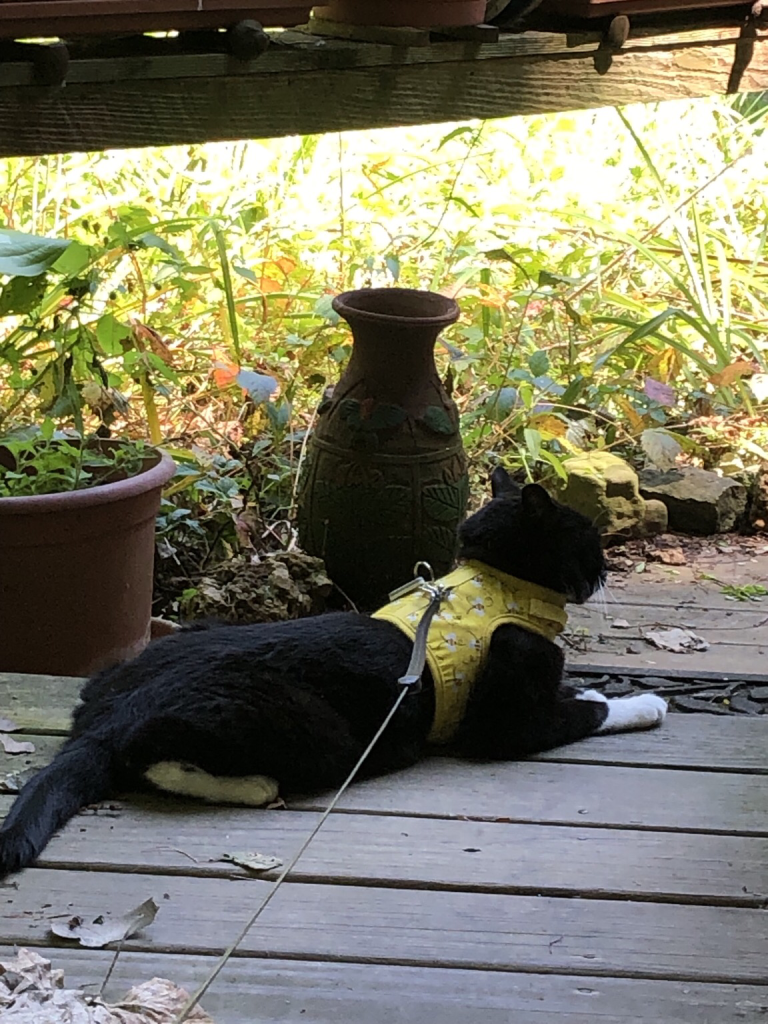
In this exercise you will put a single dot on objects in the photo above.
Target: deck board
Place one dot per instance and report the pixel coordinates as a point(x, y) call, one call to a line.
point(286, 992)
point(577, 794)
point(482, 931)
point(622, 880)
point(423, 853)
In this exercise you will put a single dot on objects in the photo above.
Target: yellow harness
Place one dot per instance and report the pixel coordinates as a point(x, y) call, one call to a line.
point(480, 600)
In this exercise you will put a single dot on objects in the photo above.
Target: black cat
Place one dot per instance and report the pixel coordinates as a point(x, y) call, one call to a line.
point(228, 713)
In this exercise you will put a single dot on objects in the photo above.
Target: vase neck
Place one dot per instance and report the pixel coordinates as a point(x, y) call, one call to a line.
point(397, 362)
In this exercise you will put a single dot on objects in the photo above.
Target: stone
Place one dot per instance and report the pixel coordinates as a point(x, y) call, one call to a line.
point(759, 693)
point(606, 489)
point(758, 509)
point(697, 500)
point(656, 518)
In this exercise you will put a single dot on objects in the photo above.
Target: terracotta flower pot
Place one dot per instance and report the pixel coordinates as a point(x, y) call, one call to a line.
point(409, 13)
point(76, 574)
point(385, 479)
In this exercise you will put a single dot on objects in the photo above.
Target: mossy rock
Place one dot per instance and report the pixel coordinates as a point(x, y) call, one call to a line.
point(606, 489)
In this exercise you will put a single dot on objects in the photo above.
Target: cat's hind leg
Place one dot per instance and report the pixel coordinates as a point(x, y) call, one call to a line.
point(187, 780)
point(627, 713)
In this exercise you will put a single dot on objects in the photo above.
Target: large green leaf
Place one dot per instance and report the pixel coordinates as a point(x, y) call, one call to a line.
point(22, 294)
point(28, 255)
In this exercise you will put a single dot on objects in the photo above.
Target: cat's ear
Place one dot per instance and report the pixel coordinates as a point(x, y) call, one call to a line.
point(502, 483)
point(536, 501)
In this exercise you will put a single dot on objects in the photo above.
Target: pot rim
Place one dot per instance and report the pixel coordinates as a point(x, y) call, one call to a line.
point(149, 479)
point(343, 305)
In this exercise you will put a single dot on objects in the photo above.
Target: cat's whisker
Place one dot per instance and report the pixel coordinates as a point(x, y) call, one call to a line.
point(598, 600)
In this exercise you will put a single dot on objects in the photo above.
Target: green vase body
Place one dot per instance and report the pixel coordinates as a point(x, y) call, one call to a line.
point(385, 478)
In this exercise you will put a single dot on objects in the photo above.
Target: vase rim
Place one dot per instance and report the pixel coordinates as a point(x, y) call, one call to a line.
point(362, 303)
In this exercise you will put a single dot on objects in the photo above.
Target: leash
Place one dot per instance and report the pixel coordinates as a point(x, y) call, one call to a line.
point(411, 683)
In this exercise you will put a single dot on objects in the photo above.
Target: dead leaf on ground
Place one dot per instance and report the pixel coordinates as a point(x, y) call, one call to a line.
point(253, 861)
point(678, 641)
point(620, 624)
point(668, 556)
point(32, 992)
point(8, 725)
point(12, 746)
point(101, 930)
point(14, 781)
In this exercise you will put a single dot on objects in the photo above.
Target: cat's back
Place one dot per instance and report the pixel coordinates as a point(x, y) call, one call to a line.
point(221, 657)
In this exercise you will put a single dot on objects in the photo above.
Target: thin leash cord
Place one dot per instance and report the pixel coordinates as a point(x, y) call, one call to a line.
point(225, 957)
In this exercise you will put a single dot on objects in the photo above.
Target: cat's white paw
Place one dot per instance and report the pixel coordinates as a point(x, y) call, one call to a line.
point(187, 780)
point(593, 695)
point(642, 712)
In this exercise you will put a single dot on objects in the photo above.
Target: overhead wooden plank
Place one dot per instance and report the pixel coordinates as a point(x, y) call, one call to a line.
point(580, 794)
point(406, 926)
point(232, 105)
point(425, 852)
point(286, 992)
point(296, 51)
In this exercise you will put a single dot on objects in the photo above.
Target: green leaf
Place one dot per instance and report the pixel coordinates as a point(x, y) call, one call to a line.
point(153, 241)
point(73, 260)
point(547, 277)
point(532, 441)
point(437, 420)
point(454, 134)
point(554, 462)
point(28, 255)
point(324, 309)
point(245, 272)
point(538, 363)
point(258, 385)
point(109, 333)
point(22, 294)
point(393, 266)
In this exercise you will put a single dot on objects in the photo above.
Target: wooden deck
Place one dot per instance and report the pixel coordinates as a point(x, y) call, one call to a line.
point(624, 879)
point(141, 94)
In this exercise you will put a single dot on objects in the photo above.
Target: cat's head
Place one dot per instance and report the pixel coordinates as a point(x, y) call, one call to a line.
point(524, 532)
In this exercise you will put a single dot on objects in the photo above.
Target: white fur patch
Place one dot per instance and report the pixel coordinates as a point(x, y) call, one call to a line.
point(187, 780)
point(626, 713)
point(593, 695)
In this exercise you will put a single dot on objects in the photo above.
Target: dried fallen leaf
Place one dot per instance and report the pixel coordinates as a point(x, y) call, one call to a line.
point(8, 725)
point(253, 861)
point(31, 992)
point(102, 930)
point(668, 556)
point(157, 1002)
point(620, 624)
point(678, 641)
point(12, 746)
point(13, 782)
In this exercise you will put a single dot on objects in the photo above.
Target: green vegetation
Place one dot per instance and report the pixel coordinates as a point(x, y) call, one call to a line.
point(611, 268)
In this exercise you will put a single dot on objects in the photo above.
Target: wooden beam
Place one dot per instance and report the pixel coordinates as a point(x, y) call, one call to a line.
point(303, 85)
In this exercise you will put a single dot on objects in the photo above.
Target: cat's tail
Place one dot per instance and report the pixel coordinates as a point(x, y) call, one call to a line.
point(80, 774)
